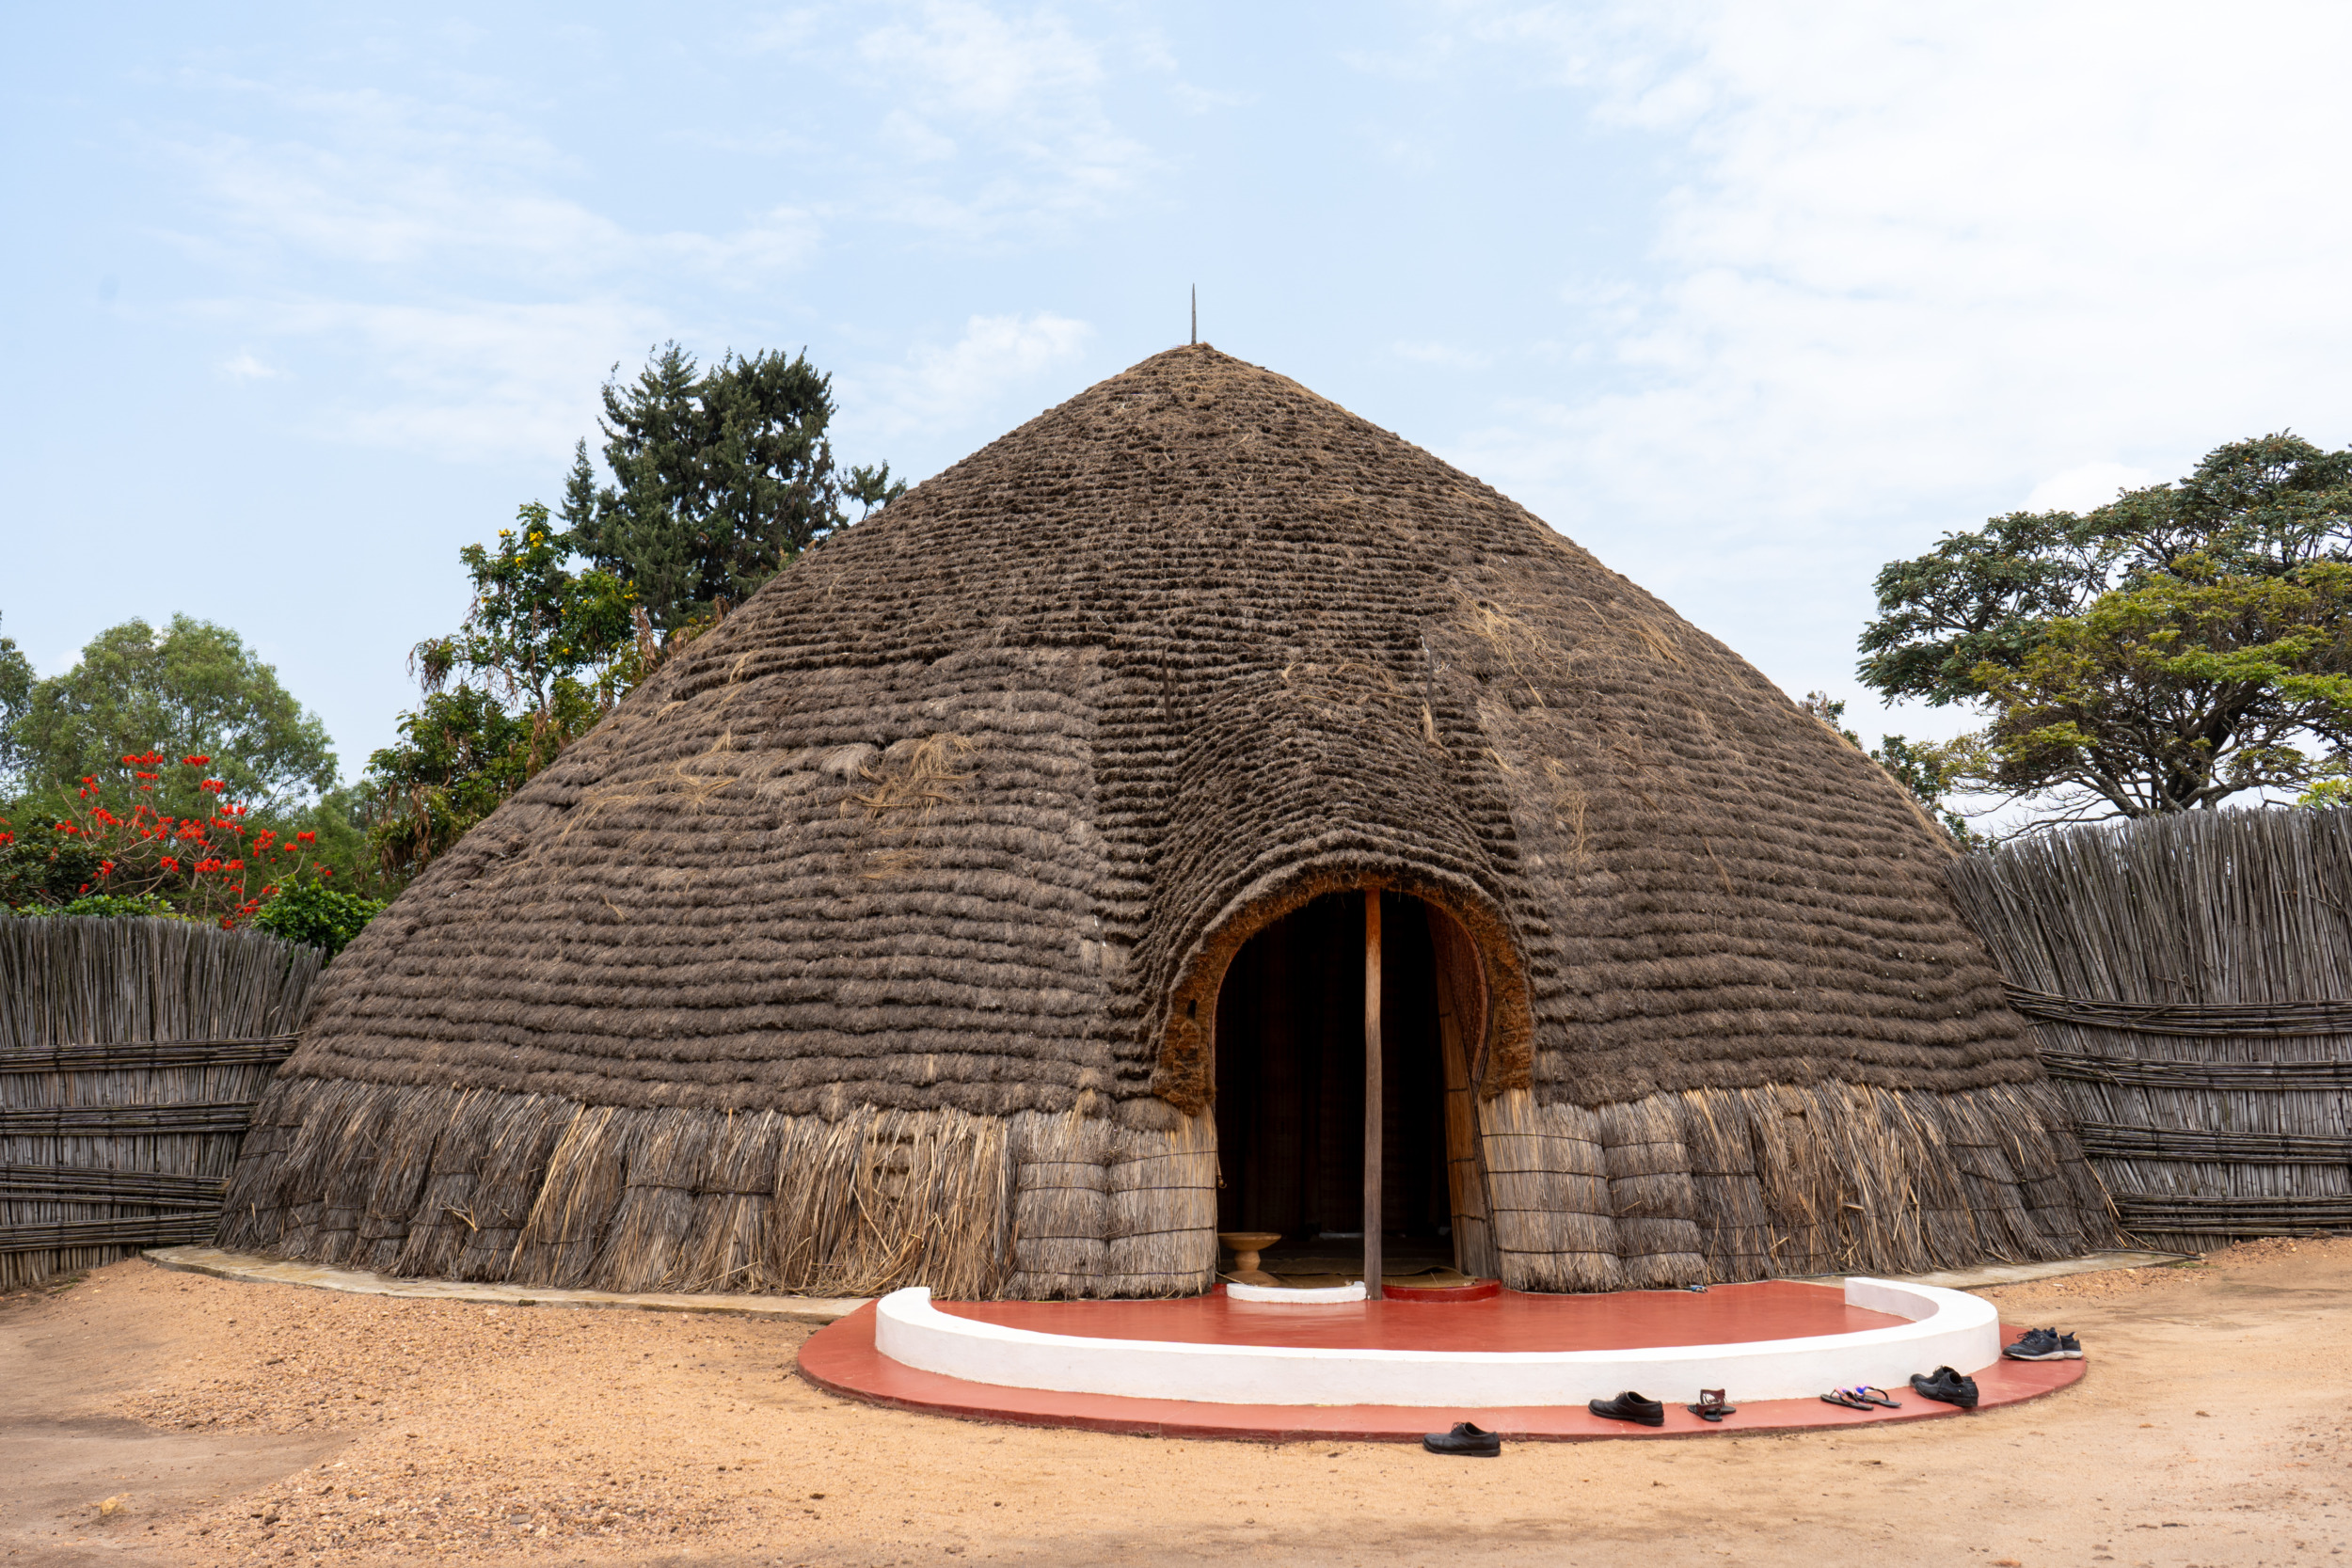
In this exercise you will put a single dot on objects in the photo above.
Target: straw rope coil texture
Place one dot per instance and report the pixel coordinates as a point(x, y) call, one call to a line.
point(939, 847)
point(131, 1054)
point(2190, 978)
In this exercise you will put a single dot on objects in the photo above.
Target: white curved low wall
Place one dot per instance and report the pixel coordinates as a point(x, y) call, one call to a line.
point(1947, 1328)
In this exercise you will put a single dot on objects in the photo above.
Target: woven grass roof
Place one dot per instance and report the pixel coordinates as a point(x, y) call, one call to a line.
point(964, 814)
point(968, 808)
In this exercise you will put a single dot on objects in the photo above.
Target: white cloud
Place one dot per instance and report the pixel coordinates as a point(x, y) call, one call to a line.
point(246, 368)
point(914, 139)
point(472, 277)
point(784, 32)
point(400, 184)
point(1918, 255)
point(974, 60)
point(1204, 100)
point(465, 380)
point(960, 384)
point(476, 306)
point(1451, 355)
point(2087, 487)
point(1026, 93)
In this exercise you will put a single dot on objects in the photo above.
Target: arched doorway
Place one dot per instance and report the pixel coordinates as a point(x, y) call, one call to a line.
point(1291, 1085)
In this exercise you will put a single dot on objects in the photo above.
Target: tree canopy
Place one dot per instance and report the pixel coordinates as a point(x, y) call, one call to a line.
point(720, 480)
point(194, 687)
point(2182, 645)
point(16, 691)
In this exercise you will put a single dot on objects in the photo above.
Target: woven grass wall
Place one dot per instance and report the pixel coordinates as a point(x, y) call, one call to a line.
point(1711, 1185)
point(540, 1190)
point(2190, 983)
point(131, 1054)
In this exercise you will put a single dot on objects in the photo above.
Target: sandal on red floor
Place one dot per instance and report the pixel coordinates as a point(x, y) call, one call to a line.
point(1712, 1406)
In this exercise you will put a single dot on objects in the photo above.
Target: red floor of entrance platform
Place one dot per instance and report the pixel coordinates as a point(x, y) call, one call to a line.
point(842, 1358)
point(1621, 1320)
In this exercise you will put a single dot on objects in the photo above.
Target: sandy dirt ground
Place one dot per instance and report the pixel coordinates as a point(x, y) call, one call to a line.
point(148, 1417)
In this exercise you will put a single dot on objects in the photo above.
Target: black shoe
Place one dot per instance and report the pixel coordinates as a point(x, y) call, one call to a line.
point(1464, 1439)
point(1629, 1406)
point(1946, 1387)
point(2038, 1344)
point(2070, 1347)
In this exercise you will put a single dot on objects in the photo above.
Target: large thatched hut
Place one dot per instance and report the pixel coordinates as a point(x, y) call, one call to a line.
point(984, 906)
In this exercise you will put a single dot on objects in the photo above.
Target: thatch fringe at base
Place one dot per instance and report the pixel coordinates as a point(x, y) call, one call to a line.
point(1671, 1189)
point(541, 1190)
point(1730, 1184)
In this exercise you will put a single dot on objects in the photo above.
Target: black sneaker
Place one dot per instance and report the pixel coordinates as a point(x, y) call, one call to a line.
point(1946, 1387)
point(2070, 1347)
point(2038, 1344)
point(1629, 1406)
point(1465, 1439)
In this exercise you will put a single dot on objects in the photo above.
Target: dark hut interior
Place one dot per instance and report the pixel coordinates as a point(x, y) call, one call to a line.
point(1291, 1086)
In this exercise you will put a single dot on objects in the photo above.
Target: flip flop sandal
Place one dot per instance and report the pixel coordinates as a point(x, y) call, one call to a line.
point(1712, 1406)
point(1848, 1398)
point(1876, 1396)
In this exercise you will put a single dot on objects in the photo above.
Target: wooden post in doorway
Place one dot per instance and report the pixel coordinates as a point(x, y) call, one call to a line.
point(1372, 1094)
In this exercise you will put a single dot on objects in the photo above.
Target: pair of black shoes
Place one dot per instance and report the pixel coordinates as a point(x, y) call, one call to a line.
point(1946, 1386)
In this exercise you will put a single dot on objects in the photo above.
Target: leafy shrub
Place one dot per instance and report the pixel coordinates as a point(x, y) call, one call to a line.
point(109, 904)
point(317, 914)
point(41, 867)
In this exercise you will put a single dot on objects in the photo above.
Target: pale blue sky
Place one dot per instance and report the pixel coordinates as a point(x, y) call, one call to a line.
point(1747, 298)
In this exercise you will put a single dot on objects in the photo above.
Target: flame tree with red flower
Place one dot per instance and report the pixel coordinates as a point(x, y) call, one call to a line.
point(139, 851)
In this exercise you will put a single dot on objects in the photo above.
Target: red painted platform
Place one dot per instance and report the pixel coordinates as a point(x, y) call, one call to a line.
point(1504, 1321)
point(842, 1359)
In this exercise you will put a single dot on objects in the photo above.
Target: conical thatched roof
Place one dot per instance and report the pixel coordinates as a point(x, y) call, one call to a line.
point(942, 842)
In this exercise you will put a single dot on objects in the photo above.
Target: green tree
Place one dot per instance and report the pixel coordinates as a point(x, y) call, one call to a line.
point(193, 688)
point(459, 754)
point(544, 654)
point(2176, 692)
point(543, 637)
point(2182, 644)
point(719, 480)
point(16, 694)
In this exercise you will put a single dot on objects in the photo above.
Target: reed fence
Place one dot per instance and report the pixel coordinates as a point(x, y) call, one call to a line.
point(131, 1054)
point(2190, 981)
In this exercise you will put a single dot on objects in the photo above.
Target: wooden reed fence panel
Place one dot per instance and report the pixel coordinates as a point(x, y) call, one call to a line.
point(131, 1054)
point(2189, 980)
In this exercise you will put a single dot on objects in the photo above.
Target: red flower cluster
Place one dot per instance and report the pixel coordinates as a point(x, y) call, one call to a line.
point(199, 862)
